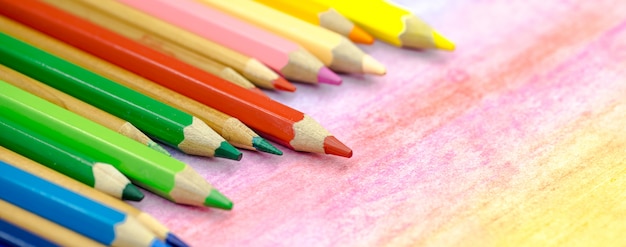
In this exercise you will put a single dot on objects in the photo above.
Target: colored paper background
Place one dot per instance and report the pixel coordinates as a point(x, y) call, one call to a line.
point(516, 138)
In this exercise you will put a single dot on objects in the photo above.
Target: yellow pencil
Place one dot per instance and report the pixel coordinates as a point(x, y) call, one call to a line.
point(390, 23)
point(334, 50)
point(324, 16)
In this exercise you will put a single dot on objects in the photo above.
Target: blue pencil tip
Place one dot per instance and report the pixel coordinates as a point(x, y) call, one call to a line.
point(175, 241)
point(158, 243)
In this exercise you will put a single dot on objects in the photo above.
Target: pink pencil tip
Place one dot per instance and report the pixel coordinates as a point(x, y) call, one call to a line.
point(327, 76)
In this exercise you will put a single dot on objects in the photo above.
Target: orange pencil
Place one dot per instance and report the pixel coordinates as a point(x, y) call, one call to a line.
point(278, 122)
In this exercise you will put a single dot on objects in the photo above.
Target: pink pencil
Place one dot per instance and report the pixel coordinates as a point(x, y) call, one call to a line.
point(282, 55)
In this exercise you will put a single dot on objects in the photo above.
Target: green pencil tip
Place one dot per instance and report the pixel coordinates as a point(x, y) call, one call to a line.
point(265, 146)
point(132, 193)
point(228, 151)
point(158, 148)
point(217, 200)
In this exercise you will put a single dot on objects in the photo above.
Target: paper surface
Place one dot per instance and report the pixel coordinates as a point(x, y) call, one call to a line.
point(516, 138)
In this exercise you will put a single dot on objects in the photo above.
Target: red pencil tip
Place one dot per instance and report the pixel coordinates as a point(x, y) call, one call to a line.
point(283, 84)
point(327, 76)
point(335, 147)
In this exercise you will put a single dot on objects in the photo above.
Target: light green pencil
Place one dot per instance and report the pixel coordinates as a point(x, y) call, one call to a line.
point(160, 121)
point(147, 168)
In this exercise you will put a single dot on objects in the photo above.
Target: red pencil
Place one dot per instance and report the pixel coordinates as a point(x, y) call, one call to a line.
point(276, 121)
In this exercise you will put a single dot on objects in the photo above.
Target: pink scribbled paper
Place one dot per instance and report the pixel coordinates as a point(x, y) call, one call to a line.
point(516, 138)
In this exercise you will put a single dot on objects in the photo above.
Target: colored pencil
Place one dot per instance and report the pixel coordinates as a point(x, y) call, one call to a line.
point(66, 160)
point(71, 210)
point(251, 68)
point(52, 176)
point(324, 16)
point(37, 231)
point(334, 50)
point(230, 128)
point(168, 124)
point(390, 23)
point(281, 123)
point(160, 174)
point(14, 236)
point(280, 54)
point(74, 105)
point(156, 43)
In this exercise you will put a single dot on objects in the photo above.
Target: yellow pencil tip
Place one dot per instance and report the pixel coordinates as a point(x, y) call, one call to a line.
point(442, 43)
point(372, 66)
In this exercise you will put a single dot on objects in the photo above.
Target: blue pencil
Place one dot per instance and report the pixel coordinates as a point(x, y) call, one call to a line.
point(71, 210)
point(11, 235)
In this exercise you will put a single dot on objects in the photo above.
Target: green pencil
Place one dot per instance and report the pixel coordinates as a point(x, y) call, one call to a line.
point(63, 159)
point(147, 168)
point(163, 122)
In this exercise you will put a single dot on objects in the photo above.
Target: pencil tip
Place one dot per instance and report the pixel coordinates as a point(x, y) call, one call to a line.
point(132, 193)
point(173, 240)
point(282, 84)
point(158, 243)
point(158, 148)
point(335, 147)
point(265, 146)
point(372, 66)
point(359, 35)
point(225, 150)
point(217, 200)
point(325, 75)
point(442, 43)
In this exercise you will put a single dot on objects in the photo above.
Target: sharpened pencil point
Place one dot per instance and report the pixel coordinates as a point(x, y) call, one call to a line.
point(228, 151)
point(132, 193)
point(282, 84)
point(173, 240)
point(335, 147)
point(217, 200)
point(325, 75)
point(372, 66)
point(264, 146)
point(158, 148)
point(442, 43)
point(359, 35)
point(158, 243)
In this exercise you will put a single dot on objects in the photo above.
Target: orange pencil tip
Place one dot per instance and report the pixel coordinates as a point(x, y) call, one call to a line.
point(283, 84)
point(335, 147)
point(359, 35)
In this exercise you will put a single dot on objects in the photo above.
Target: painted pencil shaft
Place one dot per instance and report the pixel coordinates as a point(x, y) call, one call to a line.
point(72, 104)
point(154, 42)
point(280, 54)
point(334, 50)
point(52, 176)
point(318, 14)
point(161, 121)
point(391, 23)
point(12, 235)
point(160, 174)
point(279, 122)
point(255, 71)
point(41, 228)
point(66, 160)
point(230, 128)
point(71, 210)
